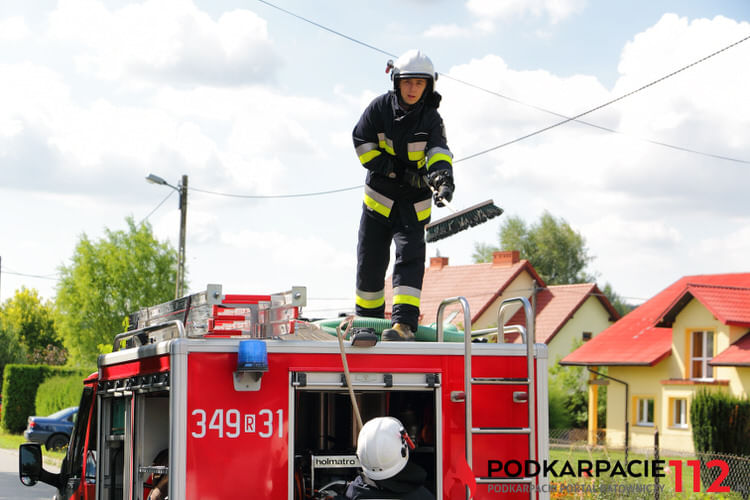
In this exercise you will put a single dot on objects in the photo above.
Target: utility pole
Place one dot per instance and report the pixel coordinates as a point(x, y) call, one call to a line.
point(180, 285)
point(182, 190)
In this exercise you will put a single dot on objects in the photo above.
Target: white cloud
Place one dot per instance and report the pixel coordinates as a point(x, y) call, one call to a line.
point(643, 208)
point(14, 29)
point(170, 104)
point(449, 31)
point(218, 131)
point(555, 10)
point(167, 40)
point(669, 45)
point(284, 249)
point(629, 233)
point(30, 93)
point(729, 251)
point(696, 109)
point(477, 120)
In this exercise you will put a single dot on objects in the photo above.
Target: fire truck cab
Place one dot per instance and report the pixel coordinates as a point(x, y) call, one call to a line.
point(251, 402)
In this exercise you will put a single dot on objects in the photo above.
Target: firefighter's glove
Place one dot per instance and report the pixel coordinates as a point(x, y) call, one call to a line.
point(443, 187)
point(444, 195)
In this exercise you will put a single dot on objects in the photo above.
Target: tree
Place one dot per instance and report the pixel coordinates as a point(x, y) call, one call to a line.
point(107, 280)
point(30, 321)
point(617, 302)
point(568, 387)
point(10, 350)
point(557, 252)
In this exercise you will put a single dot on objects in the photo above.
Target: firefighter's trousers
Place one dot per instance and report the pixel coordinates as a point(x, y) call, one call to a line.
point(373, 254)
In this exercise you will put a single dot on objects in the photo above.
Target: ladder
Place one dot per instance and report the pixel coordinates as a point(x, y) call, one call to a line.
point(210, 313)
point(527, 334)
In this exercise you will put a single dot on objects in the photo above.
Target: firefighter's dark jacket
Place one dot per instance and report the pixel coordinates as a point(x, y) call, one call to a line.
point(398, 147)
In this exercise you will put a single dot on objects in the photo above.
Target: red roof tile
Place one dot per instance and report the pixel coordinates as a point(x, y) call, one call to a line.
point(555, 305)
point(730, 305)
point(638, 338)
point(481, 284)
point(737, 354)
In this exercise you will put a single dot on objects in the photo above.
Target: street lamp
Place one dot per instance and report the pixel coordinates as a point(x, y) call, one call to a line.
point(182, 190)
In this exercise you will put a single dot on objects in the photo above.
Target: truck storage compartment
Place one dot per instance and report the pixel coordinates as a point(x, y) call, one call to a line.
point(137, 445)
point(325, 431)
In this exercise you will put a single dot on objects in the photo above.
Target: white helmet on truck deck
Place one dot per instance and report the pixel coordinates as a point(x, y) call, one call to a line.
point(413, 64)
point(382, 448)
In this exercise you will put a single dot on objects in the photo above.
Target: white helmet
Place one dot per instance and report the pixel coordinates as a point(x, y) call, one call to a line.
point(413, 64)
point(382, 448)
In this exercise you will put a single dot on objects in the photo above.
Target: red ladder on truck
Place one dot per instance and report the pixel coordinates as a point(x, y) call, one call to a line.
point(527, 334)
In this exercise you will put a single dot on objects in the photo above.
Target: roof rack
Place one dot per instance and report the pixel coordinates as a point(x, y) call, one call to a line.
point(211, 314)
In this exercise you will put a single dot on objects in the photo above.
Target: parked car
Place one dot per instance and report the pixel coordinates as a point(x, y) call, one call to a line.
point(52, 431)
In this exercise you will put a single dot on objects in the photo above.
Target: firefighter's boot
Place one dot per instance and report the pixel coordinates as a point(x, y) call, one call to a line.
point(397, 332)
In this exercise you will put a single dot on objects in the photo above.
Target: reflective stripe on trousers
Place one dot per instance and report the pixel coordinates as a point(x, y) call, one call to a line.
point(406, 295)
point(370, 300)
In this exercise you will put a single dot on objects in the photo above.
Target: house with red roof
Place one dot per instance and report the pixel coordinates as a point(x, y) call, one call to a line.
point(565, 315)
point(693, 335)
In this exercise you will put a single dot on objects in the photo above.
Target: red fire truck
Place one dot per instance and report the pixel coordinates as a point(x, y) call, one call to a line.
point(251, 402)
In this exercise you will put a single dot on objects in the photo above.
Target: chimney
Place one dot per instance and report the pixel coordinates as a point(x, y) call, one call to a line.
point(505, 258)
point(438, 262)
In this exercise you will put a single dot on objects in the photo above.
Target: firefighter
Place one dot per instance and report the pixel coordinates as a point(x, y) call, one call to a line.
point(400, 140)
point(383, 451)
point(160, 482)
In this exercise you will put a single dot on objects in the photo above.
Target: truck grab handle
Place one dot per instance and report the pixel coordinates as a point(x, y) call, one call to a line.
point(467, 316)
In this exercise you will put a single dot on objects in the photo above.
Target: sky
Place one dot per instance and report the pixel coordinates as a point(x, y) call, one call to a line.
point(255, 101)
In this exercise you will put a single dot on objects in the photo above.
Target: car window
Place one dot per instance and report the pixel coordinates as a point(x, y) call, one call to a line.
point(62, 414)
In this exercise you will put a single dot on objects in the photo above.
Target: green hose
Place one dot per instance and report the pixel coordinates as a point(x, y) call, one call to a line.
point(424, 333)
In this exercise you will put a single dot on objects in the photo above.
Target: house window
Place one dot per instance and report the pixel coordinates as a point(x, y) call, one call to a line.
point(701, 352)
point(645, 409)
point(679, 413)
point(586, 336)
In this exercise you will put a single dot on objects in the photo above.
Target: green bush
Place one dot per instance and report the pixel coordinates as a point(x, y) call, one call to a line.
point(58, 392)
point(568, 388)
point(559, 416)
point(721, 423)
point(20, 383)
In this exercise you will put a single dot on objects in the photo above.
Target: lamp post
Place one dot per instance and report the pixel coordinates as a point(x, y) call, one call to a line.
point(182, 190)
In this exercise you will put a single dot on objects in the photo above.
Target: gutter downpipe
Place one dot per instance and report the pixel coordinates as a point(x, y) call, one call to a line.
point(627, 398)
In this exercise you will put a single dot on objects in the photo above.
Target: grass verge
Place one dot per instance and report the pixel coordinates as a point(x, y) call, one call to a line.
point(12, 441)
point(608, 486)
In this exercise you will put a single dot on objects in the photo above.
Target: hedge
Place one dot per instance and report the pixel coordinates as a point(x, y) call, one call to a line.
point(721, 423)
point(721, 429)
point(58, 392)
point(20, 383)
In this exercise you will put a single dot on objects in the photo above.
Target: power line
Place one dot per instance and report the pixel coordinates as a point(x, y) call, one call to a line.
point(258, 196)
point(337, 33)
point(612, 101)
point(31, 275)
point(567, 119)
point(519, 139)
point(594, 125)
point(156, 207)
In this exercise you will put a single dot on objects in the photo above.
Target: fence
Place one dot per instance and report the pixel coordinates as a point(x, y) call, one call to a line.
point(602, 472)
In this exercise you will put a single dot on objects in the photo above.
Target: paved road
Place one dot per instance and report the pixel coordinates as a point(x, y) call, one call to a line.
point(12, 489)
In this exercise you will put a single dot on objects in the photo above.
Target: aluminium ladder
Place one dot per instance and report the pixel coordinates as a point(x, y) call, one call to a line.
point(527, 334)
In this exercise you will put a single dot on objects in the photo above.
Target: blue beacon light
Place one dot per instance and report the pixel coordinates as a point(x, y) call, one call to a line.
point(252, 356)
